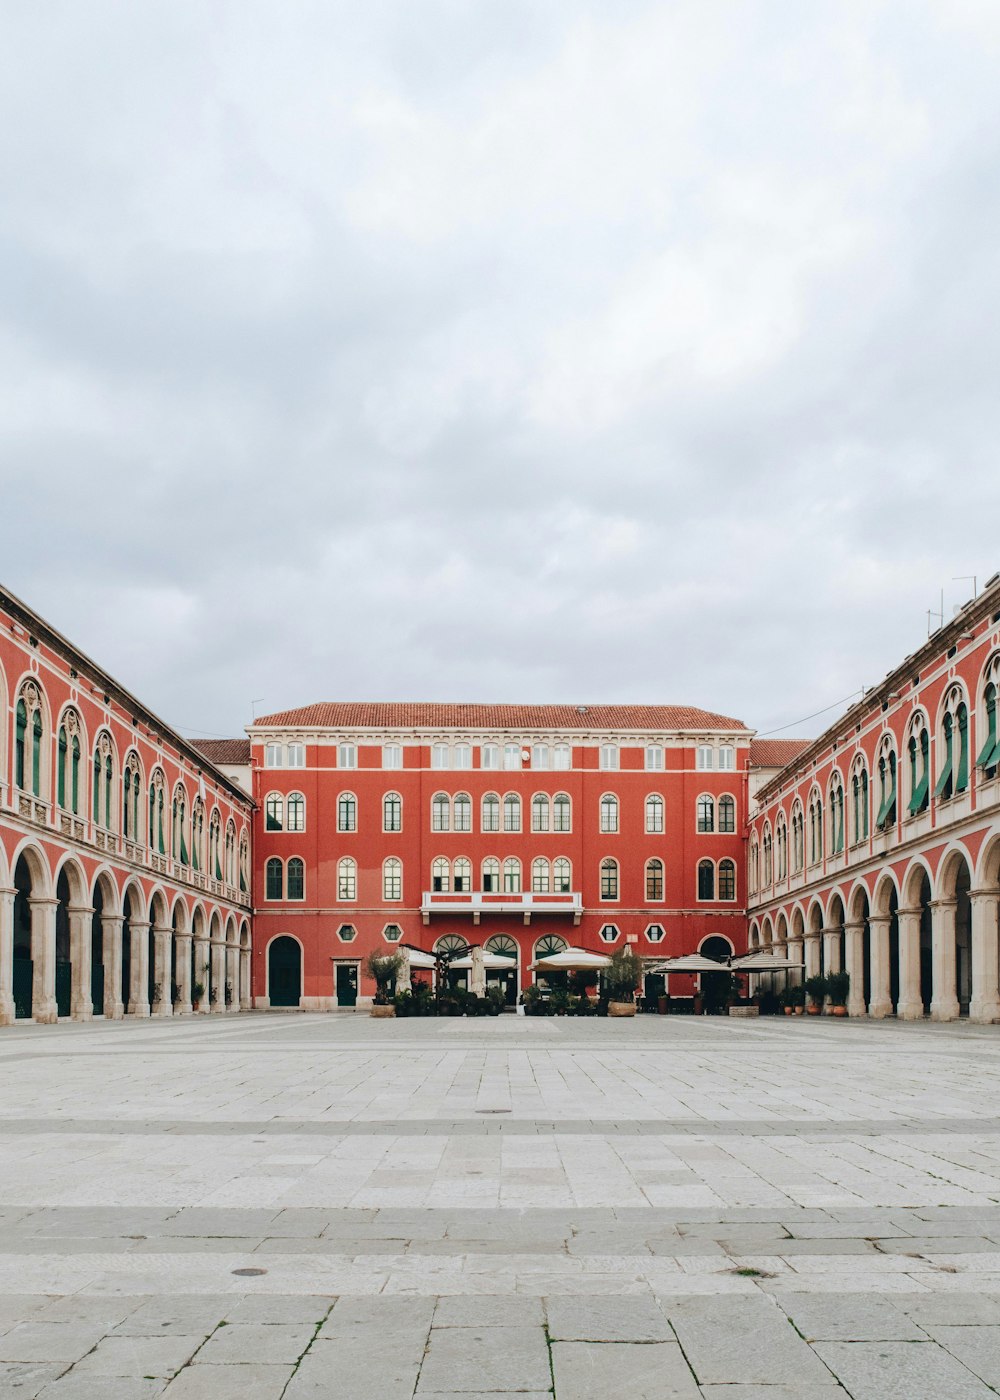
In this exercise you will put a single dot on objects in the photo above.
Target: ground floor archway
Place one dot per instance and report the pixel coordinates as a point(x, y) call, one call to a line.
point(284, 971)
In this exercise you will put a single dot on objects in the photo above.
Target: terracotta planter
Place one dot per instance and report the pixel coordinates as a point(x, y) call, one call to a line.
point(812, 1009)
point(838, 1010)
point(383, 1011)
point(800, 1011)
point(789, 1010)
point(621, 1008)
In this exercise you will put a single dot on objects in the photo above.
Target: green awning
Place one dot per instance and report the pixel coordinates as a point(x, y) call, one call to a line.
point(990, 752)
point(919, 799)
point(888, 802)
point(994, 759)
point(945, 777)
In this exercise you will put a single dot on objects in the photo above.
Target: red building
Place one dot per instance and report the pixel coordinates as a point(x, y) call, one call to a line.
point(124, 853)
point(875, 849)
point(508, 826)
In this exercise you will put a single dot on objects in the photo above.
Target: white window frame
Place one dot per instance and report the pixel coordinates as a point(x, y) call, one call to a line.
point(704, 760)
point(274, 755)
point(727, 758)
point(392, 870)
point(347, 755)
point(540, 756)
point(609, 759)
point(439, 756)
point(562, 758)
point(392, 756)
point(654, 758)
point(461, 756)
point(512, 758)
point(489, 757)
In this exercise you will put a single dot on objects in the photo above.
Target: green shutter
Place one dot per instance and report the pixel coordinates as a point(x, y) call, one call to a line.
point(945, 776)
point(884, 810)
point(962, 775)
point(919, 799)
point(988, 754)
point(61, 772)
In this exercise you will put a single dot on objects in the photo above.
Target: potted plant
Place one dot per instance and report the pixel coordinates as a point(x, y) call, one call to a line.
point(403, 1002)
point(785, 1000)
point(213, 996)
point(797, 998)
point(383, 969)
point(815, 990)
point(531, 1000)
point(621, 978)
point(838, 985)
point(229, 993)
point(497, 1000)
point(197, 992)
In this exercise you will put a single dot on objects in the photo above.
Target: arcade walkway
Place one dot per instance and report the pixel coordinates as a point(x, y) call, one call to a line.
point(308, 1206)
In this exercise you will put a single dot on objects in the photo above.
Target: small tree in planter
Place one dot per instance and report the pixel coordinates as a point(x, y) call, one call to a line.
point(383, 969)
point(838, 984)
point(621, 978)
point(796, 997)
point(197, 992)
point(815, 989)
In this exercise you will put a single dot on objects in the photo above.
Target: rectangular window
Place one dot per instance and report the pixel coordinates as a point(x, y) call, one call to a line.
point(439, 755)
point(296, 755)
point(540, 756)
point(347, 756)
point(512, 755)
point(489, 756)
point(273, 756)
point(609, 756)
point(392, 813)
point(704, 756)
point(392, 756)
point(490, 882)
point(563, 758)
point(461, 756)
point(727, 757)
point(654, 757)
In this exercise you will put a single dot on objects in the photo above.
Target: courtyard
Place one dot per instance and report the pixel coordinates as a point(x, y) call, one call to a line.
point(307, 1206)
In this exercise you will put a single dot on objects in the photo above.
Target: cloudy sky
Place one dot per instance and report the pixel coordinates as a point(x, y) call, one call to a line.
point(499, 349)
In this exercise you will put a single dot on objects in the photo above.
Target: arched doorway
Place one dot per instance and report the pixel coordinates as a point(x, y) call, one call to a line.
point(23, 962)
point(97, 951)
point(715, 986)
point(546, 946)
point(454, 943)
point(502, 945)
point(284, 971)
point(64, 962)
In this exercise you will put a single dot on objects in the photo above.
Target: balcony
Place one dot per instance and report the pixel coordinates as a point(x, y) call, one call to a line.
point(477, 903)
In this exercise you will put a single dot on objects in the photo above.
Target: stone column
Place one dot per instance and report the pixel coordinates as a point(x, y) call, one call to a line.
point(163, 1006)
point(138, 992)
point(944, 999)
point(910, 1006)
point(111, 941)
point(43, 955)
point(7, 897)
point(831, 955)
point(985, 1003)
point(881, 1002)
point(81, 1006)
point(854, 940)
point(232, 977)
point(218, 976)
point(200, 964)
point(246, 1001)
point(812, 954)
point(183, 948)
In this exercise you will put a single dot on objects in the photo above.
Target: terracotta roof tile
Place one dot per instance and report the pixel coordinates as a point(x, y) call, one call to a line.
point(409, 715)
point(224, 750)
point(775, 753)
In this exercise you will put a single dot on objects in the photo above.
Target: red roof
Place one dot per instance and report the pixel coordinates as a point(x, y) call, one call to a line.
point(224, 750)
point(775, 753)
point(409, 715)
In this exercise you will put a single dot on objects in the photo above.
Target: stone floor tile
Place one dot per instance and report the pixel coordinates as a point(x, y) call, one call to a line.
point(900, 1371)
point(186, 1315)
point(24, 1380)
point(82, 1309)
point(978, 1348)
point(281, 1307)
point(139, 1356)
point(654, 1372)
point(390, 1314)
point(576, 1319)
point(230, 1383)
point(371, 1363)
point(48, 1341)
point(737, 1340)
point(486, 1358)
point(847, 1317)
point(276, 1343)
point(488, 1310)
point(950, 1309)
point(815, 1390)
point(76, 1386)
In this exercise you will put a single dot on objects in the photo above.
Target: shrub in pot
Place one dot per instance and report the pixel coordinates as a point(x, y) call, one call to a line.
point(815, 989)
point(383, 969)
point(497, 1000)
point(838, 985)
point(621, 978)
point(197, 992)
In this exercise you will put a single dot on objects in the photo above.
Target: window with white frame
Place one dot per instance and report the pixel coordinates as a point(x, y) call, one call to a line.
point(562, 813)
point(347, 755)
point(540, 812)
point(609, 756)
point(440, 812)
point(562, 757)
point(296, 888)
point(654, 814)
point(540, 756)
point(609, 878)
point(392, 755)
point(296, 812)
point(347, 812)
point(512, 755)
point(296, 755)
point(274, 812)
point(440, 876)
point(392, 933)
point(462, 756)
point(512, 875)
point(609, 933)
point(274, 756)
point(540, 876)
point(609, 813)
point(489, 756)
point(491, 875)
point(439, 755)
point(706, 813)
point(654, 880)
point(462, 812)
point(274, 879)
point(512, 812)
point(727, 814)
point(654, 757)
point(703, 756)
point(727, 879)
point(347, 933)
point(562, 876)
point(727, 758)
point(347, 878)
point(491, 812)
point(392, 812)
point(392, 878)
point(706, 880)
point(655, 933)
point(462, 875)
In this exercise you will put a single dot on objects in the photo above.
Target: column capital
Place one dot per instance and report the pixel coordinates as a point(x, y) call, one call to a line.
point(984, 893)
point(812, 934)
point(181, 936)
point(834, 928)
point(853, 924)
point(79, 909)
point(43, 901)
point(877, 920)
point(161, 928)
point(907, 909)
point(139, 926)
point(7, 889)
point(118, 919)
point(944, 903)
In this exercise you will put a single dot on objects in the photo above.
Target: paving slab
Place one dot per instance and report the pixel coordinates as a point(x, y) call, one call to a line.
point(488, 1358)
point(654, 1372)
point(139, 1356)
point(230, 1383)
point(845, 1317)
point(583, 1319)
point(274, 1343)
point(488, 1310)
point(901, 1371)
point(978, 1348)
point(736, 1340)
point(76, 1386)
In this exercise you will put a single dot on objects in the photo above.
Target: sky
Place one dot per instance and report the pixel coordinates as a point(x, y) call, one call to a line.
point(543, 350)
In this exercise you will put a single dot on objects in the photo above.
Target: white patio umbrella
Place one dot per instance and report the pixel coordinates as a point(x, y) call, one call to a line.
point(492, 962)
point(689, 962)
point(420, 959)
point(572, 960)
point(762, 962)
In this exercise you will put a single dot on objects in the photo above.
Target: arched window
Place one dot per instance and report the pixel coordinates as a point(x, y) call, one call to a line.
point(230, 852)
point(768, 856)
point(512, 812)
point(953, 742)
point(157, 802)
point(440, 876)
point(347, 878)
point(654, 814)
point(274, 812)
point(68, 774)
point(798, 838)
point(886, 785)
point(28, 731)
point(491, 812)
point(244, 861)
point(392, 812)
point(274, 879)
point(392, 878)
point(781, 846)
point(132, 798)
point(562, 876)
point(753, 866)
point(104, 778)
point(198, 834)
point(541, 877)
point(296, 878)
point(296, 811)
point(654, 880)
point(347, 812)
point(512, 875)
point(836, 815)
point(562, 813)
point(491, 875)
point(815, 828)
point(727, 879)
point(609, 878)
point(706, 813)
point(859, 800)
point(727, 814)
point(440, 812)
point(180, 850)
point(540, 812)
point(462, 875)
point(918, 748)
point(989, 753)
point(706, 880)
point(609, 812)
point(462, 810)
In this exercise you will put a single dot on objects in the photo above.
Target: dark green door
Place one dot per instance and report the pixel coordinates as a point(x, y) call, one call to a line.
point(22, 986)
point(97, 988)
point(347, 984)
point(284, 972)
point(64, 986)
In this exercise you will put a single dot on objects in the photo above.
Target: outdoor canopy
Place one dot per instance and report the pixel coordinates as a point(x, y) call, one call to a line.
point(492, 962)
point(690, 962)
point(762, 962)
point(571, 959)
point(419, 959)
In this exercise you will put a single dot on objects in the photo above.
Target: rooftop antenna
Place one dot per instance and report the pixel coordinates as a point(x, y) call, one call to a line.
point(253, 706)
point(964, 578)
point(939, 615)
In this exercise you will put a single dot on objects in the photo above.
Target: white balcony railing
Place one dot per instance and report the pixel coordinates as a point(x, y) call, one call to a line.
point(479, 902)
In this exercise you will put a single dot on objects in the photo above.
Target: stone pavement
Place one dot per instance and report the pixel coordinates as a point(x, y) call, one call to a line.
point(329, 1206)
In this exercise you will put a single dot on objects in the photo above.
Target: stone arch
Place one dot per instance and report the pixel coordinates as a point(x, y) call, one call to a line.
point(179, 918)
point(33, 971)
point(754, 938)
point(883, 894)
point(951, 935)
point(72, 952)
point(4, 864)
point(244, 964)
point(781, 930)
point(42, 884)
point(284, 962)
point(30, 687)
point(201, 962)
point(135, 950)
point(767, 932)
